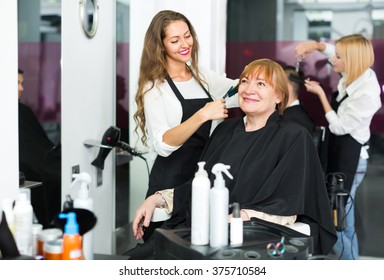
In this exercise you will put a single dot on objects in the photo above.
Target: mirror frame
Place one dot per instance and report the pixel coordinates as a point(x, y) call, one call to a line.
point(83, 17)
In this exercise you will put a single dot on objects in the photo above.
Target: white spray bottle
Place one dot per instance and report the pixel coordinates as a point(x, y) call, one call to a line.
point(83, 201)
point(201, 186)
point(219, 204)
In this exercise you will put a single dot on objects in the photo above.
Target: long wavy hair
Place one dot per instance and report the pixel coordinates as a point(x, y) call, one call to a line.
point(273, 74)
point(357, 53)
point(153, 62)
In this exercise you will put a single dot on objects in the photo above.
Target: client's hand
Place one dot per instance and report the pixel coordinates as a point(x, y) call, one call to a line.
point(144, 214)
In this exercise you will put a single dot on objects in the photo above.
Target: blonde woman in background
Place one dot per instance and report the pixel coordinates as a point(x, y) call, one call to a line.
point(349, 115)
point(178, 103)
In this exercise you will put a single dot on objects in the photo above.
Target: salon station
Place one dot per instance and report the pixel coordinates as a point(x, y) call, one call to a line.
point(81, 66)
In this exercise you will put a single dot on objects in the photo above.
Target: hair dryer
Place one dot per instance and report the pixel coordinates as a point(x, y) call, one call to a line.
point(111, 138)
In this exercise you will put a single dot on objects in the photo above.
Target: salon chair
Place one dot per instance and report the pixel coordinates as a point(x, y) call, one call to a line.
point(320, 137)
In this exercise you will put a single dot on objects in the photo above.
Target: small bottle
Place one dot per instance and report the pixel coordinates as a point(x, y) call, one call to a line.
point(201, 186)
point(236, 227)
point(219, 203)
point(72, 249)
point(83, 201)
point(36, 229)
point(23, 224)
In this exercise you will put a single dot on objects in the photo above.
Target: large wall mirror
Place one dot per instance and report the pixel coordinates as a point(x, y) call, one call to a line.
point(275, 37)
point(277, 27)
point(39, 57)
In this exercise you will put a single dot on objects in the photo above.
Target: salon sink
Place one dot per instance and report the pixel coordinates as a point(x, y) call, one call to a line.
point(257, 235)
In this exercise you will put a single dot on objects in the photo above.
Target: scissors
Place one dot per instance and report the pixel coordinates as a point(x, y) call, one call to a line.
point(276, 250)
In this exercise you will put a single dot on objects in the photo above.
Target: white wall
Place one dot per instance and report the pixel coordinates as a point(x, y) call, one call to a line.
point(9, 149)
point(351, 22)
point(88, 109)
point(209, 21)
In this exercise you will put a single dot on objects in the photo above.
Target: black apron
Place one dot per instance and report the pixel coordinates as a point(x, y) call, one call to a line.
point(343, 151)
point(180, 166)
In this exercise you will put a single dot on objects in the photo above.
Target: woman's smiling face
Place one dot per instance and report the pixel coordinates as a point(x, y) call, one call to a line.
point(256, 96)
point(178, 42)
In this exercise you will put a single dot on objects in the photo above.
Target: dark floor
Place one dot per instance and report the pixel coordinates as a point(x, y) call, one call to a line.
point(370, 210)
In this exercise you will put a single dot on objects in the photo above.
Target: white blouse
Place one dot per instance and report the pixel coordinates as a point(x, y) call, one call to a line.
point(355, 113)
point(163, 110)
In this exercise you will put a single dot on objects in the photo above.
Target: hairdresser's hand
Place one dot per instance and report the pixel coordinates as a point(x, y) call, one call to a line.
point(303, 49)
point(214, 110)
point(314, 87)
point(144, 215)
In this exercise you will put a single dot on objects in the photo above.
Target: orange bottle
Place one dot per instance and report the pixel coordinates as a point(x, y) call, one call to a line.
point(72, 248)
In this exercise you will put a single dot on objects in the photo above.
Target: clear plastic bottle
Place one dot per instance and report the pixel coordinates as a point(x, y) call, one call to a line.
point(201, 186)
point(219, 204)
point(23, 212)
point(72, 247)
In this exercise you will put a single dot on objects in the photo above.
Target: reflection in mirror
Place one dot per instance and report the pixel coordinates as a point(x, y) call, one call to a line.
point(123, 228)
point(89, 16)
point(39, 53)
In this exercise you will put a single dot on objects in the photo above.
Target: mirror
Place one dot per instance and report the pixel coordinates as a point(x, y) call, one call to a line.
point(39, 48)
point(89, 16)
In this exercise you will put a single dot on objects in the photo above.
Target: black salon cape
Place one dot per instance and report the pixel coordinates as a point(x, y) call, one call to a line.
point(298, 114)
point(276, 170)
point(40, 160)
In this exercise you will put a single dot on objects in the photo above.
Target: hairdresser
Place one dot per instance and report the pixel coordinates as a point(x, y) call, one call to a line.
point(349, 115)
point(178, 103)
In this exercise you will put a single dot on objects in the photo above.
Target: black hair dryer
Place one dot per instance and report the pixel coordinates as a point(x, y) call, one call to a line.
point(109, 140)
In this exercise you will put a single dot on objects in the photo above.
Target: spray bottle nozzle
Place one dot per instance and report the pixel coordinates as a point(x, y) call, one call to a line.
point(71, 227)
point(84, 179)
point(218, 168)
point(84, 176)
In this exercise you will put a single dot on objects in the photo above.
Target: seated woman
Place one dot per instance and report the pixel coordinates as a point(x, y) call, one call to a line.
point(276, 169)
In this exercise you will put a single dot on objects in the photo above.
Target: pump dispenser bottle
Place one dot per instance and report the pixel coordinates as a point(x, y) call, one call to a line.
point(201, 186)
point(219, 203)
point(236, 227)
point(82, 200)
point(72, 249)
